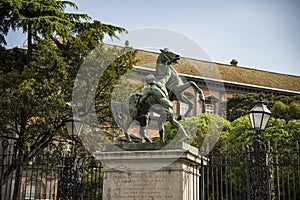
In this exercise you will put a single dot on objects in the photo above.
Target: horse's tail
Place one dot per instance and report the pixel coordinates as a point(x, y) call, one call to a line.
point(133, 101)
point(126, 111)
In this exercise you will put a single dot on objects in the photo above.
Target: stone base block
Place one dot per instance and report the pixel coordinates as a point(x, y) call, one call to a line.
point(135, 172)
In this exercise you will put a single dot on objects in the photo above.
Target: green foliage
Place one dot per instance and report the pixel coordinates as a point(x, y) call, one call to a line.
point(277, 132)
point(283, 107)
point(280, 110)
point(293, 128)
point(94, 90)
point(48, 20)
point(35, 98)
point(204, 130)
point(286, 111)
point(240, 104)
point(37, 82)
point(240, 134)
point(12, 60)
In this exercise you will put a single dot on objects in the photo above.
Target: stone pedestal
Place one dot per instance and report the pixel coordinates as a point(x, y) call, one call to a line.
point(151, 172)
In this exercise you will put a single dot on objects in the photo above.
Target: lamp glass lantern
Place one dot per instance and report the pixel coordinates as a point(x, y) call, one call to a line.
point(74, 126)
point(259, 116)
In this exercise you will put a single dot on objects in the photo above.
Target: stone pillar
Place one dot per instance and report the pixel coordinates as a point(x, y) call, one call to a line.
point(151, 172)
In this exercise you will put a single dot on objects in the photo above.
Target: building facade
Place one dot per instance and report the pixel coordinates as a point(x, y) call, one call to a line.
point(219, 83)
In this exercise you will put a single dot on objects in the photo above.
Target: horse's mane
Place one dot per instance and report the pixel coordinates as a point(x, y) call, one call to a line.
point(160, 59)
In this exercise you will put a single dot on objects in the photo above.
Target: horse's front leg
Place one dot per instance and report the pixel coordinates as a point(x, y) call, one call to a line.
point(178, 92)
point(182, 98)
point(184, 135)
point(195, 86)
point(181, 88)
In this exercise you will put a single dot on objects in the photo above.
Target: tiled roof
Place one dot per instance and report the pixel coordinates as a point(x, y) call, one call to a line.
point(226, 72)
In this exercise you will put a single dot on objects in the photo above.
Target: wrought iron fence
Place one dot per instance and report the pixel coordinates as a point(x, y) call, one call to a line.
point(227, 175)
point(231, 174)
point(49, 177)
point(224, 176)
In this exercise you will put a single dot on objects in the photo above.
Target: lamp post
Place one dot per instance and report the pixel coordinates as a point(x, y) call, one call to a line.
point(259, 116)
point(74, 126)
point(259, 171)
point(70, 184)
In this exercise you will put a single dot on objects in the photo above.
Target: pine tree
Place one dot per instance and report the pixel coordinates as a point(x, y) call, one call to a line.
point(36, 84)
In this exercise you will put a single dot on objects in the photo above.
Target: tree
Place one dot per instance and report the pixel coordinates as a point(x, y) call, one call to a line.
point(280, 110)
point(278, 132)
point(293, 127)
point(37, 86)
point(205, 130)
point(240, 104)
point(93, 101)
point(286, 111)
point(47, 20)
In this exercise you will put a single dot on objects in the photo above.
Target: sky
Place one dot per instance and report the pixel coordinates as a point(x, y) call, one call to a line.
point(260, 34)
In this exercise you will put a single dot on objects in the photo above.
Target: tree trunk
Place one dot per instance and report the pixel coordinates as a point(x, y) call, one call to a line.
point(29, 42)
point(19, 157)
point(18, 175)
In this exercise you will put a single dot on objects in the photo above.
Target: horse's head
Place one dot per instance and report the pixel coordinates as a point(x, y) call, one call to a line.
point(168, 57)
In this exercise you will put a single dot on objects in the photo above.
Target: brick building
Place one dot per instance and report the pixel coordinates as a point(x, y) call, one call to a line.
point(219, 82)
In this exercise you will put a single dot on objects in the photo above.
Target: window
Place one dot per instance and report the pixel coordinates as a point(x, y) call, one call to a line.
point(183, 108)
point(209, 108)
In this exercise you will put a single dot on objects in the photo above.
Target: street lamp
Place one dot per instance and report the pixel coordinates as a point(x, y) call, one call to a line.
point(74, 126)
point(259, 116)
point(259, 169)
point(70, 184)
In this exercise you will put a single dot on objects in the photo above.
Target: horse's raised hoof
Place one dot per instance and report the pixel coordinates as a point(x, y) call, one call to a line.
point(202, 97)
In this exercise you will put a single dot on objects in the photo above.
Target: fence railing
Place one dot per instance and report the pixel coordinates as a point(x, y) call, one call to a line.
point(227, 176)
point(228, 173)
point(46, 178)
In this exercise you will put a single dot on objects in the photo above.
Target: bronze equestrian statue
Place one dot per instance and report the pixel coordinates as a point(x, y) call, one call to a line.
point(162, 89)
point(154, 97)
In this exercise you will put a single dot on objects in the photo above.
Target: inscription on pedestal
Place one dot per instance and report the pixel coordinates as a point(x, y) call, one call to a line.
point(138, 186)
point(137, 173)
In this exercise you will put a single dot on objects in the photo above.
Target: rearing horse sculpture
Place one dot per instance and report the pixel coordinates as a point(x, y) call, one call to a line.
point(167, 75)
point(154, 97)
